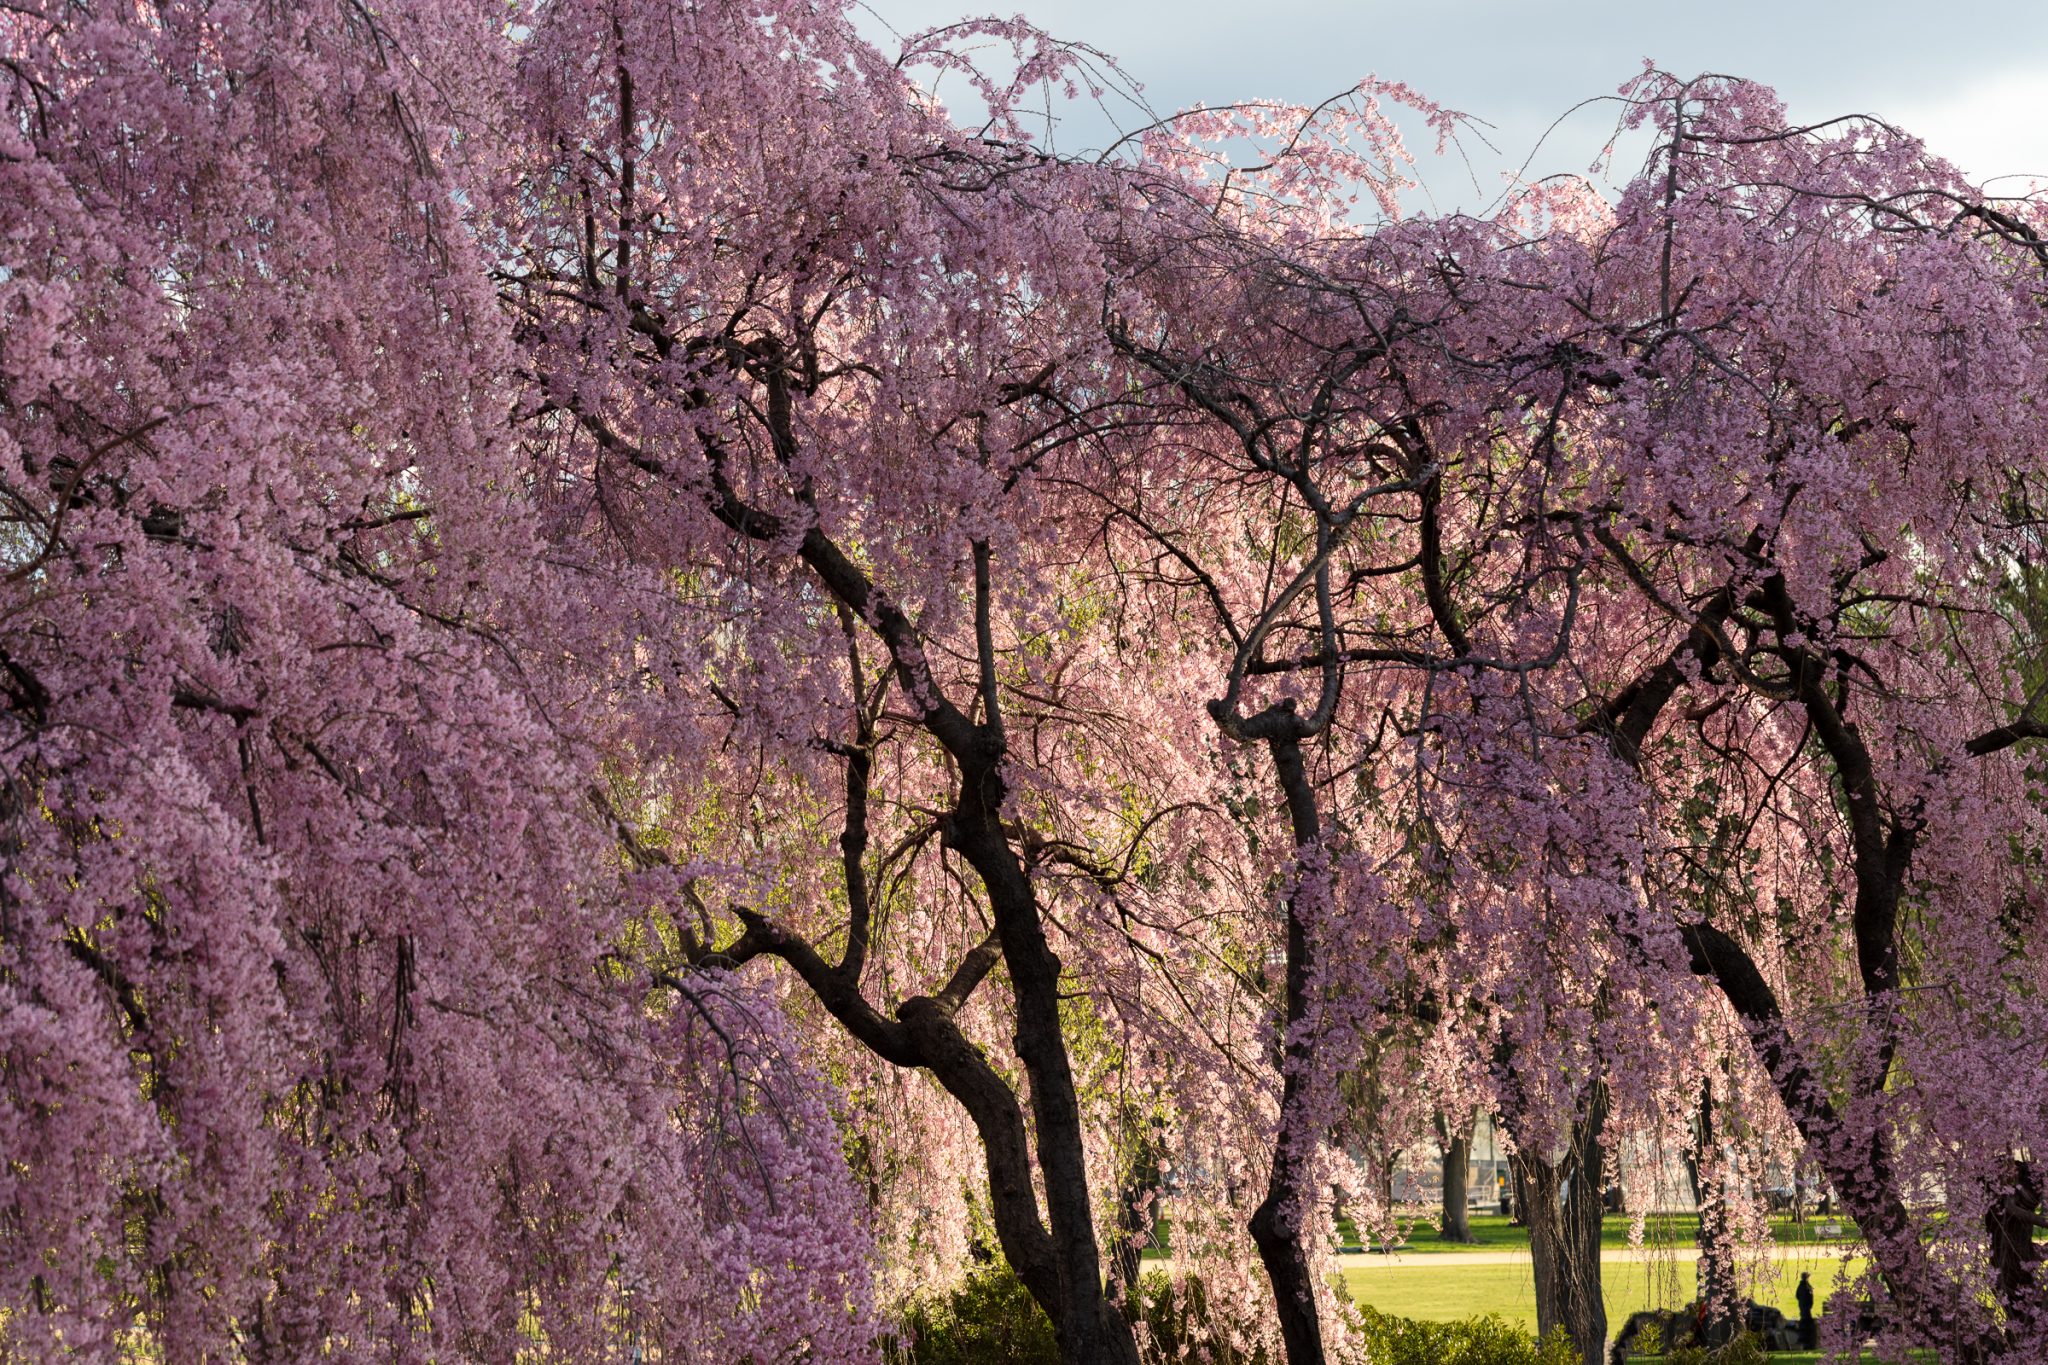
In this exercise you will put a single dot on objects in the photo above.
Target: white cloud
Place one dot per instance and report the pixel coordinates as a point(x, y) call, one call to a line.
point(1991, 126)
point(1970, 78)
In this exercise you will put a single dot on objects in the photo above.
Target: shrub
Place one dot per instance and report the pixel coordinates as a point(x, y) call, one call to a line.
point(1488, 1340)
point(1741, 1350)
point(987, 1319)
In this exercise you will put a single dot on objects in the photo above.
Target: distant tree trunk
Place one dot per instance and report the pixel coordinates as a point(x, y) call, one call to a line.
point(1136, 1216)
point(1457, 1149)
point(1561, 1203)
point(2014, 1214)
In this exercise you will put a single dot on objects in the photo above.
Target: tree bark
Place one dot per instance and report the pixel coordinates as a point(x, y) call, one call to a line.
point(1087, 1324)
point(1457, 1150)
point(1561, 1202)
point(1276, 1223)
point(2011, 1221)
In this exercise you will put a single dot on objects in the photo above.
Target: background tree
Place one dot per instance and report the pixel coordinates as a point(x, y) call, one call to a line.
point(1455, 1214)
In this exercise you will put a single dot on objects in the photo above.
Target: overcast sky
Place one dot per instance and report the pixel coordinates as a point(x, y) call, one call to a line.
point(1970, 77)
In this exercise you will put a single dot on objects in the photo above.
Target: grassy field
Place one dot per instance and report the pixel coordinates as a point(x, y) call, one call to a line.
point(1785, 1358)
point(1426, 1281)
point(1444, 1291)
point(1803, 1358)
point(1492, 1232)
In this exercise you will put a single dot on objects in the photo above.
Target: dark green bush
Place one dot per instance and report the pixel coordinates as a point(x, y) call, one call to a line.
point(988, 1319)
point(1488, 1340)
point(1742, 1350)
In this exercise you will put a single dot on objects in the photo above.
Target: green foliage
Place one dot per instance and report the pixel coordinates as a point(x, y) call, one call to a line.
point(1181, 1324)
point(1741, 1350)
point(1487, 1340)
point(987, 1319)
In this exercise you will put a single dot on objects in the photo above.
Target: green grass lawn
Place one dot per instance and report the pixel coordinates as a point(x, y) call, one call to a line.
point(1492, 1232)
point(1444, 1291)
point(1783, 1358)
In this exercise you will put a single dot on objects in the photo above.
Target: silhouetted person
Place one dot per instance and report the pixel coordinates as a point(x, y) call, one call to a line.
point(1808, 1336)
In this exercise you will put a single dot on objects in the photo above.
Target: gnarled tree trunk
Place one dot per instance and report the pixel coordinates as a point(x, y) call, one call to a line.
point(1561, 1202)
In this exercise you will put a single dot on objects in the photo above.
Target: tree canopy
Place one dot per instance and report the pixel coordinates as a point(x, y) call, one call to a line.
point(649, 685)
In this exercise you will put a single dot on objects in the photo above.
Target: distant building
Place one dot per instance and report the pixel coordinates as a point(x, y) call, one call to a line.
point(1418, 1178)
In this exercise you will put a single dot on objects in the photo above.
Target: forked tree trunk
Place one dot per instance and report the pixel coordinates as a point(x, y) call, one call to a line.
point(1087, 1324)
point(1039, 1193)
